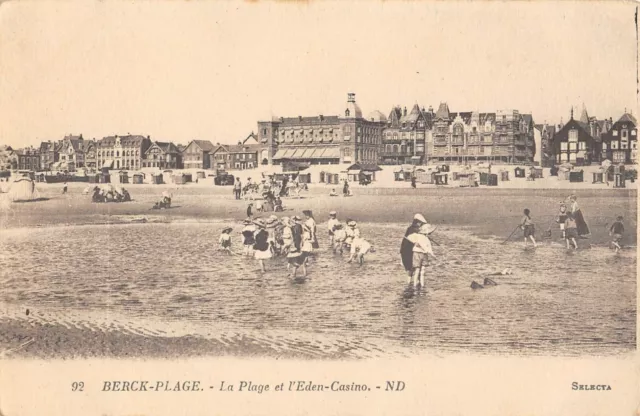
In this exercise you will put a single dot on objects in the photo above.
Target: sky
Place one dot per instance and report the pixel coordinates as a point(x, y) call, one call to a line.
point(183, 70)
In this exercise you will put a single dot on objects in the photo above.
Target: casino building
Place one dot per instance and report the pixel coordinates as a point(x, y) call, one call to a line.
point(322, 140)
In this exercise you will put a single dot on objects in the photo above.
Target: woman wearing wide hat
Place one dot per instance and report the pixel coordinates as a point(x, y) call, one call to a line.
point(406, 247)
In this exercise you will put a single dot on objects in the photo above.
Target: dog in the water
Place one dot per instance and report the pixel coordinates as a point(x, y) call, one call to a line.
point(491, 282)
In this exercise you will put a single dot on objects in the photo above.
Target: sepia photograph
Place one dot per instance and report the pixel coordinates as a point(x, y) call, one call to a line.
point(319, 184)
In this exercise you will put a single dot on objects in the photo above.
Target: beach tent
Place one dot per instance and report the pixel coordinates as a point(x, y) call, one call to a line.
point(23, 190)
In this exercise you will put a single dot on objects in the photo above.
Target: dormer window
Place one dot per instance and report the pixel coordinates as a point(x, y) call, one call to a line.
point(347, 112)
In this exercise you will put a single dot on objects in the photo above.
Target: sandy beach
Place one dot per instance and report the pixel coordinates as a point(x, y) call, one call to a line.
point(203, 304)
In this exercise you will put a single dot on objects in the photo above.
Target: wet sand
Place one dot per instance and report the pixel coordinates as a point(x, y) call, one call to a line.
point(487, 214)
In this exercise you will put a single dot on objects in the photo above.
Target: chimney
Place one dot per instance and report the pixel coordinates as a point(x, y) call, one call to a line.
point(149, 137)
point(404, 113)
point(239, 143)
point(281, 119)
point(300, 118)
point(321, 117)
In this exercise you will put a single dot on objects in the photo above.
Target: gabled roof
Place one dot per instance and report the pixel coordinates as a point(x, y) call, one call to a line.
point(242, 148)
point(572, 124)
point(394, 116)
point(414, 115)
point(205, 145)
point(251, 136)
point(628, 118)
point(584, 117)
point(443, 111)
point(166, 147)
point(465, 116)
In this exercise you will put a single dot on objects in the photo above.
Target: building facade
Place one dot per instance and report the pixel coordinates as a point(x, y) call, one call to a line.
point(49, 154)
point(71, 153)
point(90, 154)
point(245, 155)
point(162, 155)
point(504, 136)
point(28, 159)
point(345, 138)
point(196, 155)
point(574, 144)
point(620, 142)
point(122, 152)
point(405, 135)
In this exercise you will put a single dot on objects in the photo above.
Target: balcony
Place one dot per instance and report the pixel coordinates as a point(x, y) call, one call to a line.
point(396, 154)
point(439, 141)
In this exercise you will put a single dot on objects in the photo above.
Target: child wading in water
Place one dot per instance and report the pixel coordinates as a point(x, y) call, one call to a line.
point(225, 240)
point(247, 235)
point(571, 230)
point(261, 248)
point(528, 227)
point(421, 251)
point(562, 217)
point(331, 224)
point(359, 247)
point(616, 231)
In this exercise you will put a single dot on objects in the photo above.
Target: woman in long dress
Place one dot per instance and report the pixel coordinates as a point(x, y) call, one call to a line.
point(574, 208)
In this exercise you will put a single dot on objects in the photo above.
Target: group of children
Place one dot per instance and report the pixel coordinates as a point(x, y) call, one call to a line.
point(569, 228)
point(341, 238)
point(295, 238)
point(263, 239)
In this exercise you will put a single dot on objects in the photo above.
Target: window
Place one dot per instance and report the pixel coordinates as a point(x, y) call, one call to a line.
point(347, 129)
point(346, 113)
point(604, 146)
point(625, 134)
point(634, 145)
point(563, 145)
point(615, 132)
point(573, 135)
point(614, 145)
point(582, 145)
point(264, 132)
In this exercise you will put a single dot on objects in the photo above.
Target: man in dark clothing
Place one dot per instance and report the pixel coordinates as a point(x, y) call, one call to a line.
point(413, 182)
point(616, 231)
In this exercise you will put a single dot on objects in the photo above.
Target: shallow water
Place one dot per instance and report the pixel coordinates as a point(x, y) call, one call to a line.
point(556, 302)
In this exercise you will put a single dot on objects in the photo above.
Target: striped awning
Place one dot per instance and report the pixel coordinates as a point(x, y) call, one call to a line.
point(108, 163)
point(308, 152)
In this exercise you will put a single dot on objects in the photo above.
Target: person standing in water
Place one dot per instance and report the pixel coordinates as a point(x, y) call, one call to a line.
point(248, 237)
point(571, 231)
point(331, 224)
point(562, 217)
point(581, 224)
point(310, 222)
point(529, 228)
point(64, 188)
point(421, 251)
point(615, 231)
point(261, 248)
point(406, 248)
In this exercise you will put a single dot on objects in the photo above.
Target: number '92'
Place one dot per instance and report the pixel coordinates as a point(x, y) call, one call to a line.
point(77, 386)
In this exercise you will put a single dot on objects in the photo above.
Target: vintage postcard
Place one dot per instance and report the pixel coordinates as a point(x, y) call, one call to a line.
point(318, 208)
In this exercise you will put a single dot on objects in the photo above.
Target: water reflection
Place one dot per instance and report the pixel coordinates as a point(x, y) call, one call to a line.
point(556, 300)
